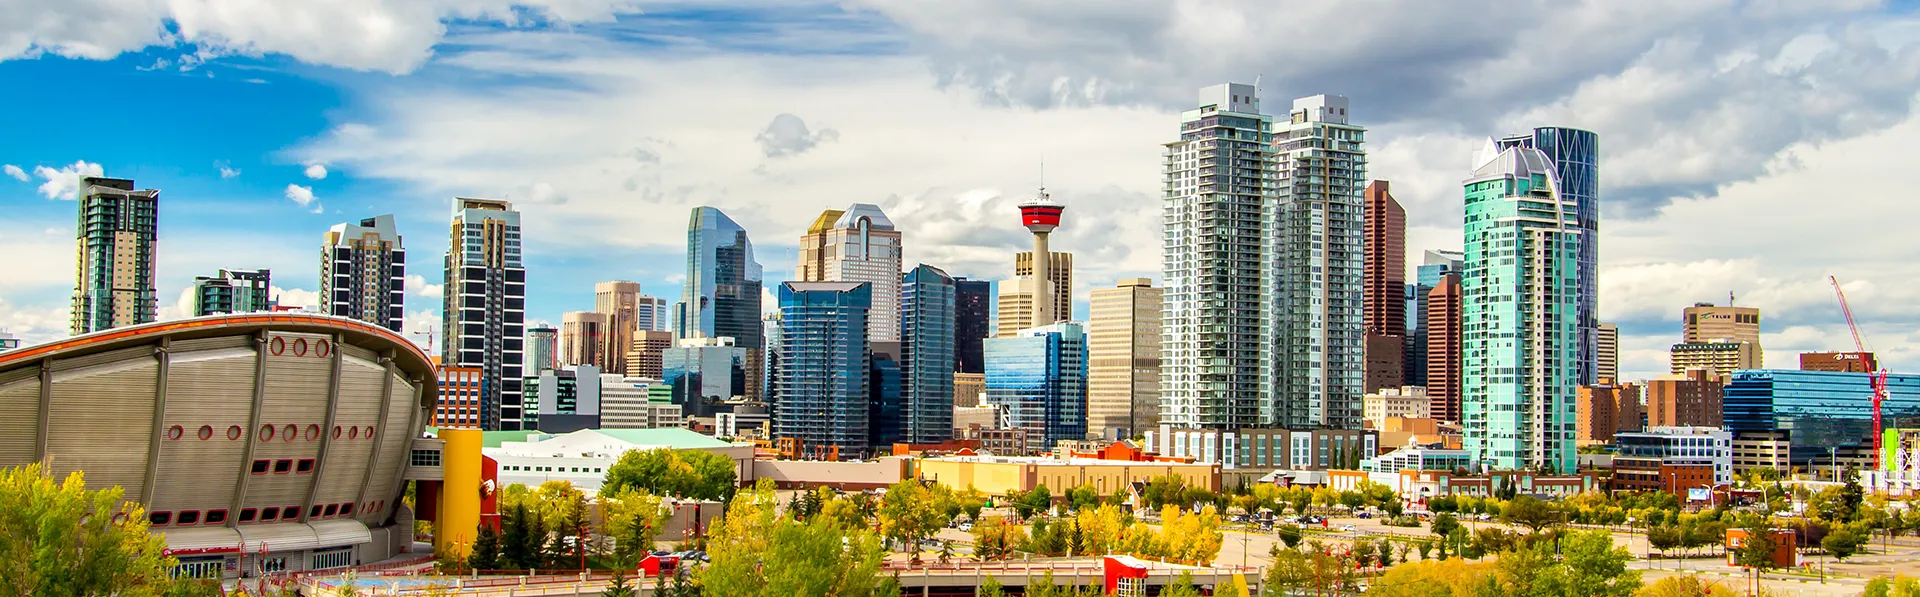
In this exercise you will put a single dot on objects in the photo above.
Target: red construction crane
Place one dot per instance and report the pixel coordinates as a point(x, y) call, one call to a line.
point(1879, 377)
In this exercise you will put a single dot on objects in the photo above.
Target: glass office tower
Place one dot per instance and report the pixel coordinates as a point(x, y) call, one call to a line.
point(927, 318)
point(1575, 155)
point(825, 366)
point(1038, 378)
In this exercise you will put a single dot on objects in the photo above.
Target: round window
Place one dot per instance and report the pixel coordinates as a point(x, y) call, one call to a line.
point(175, 432)
point(321, 348)
point(232, 432)
point(313, 432)
point(290, 433)
point(266, 433)
point(353, 433)
point(300, 347)
point(369, 433)
point(336, 432)
point(278, 346)
point(206, 432)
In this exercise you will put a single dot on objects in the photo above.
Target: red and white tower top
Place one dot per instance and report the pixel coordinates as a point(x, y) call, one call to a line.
point(1041, 214)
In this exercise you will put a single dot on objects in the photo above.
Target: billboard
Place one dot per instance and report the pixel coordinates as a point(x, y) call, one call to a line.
point(1699, 494)
point(1900, 452)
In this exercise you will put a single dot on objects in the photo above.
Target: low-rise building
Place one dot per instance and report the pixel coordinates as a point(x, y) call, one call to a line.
point(996, 440)
point(1403, 402)
point(1267, 448)
point(1603, 409)
point(1673, 459)
point(1417, 457)
point(583, 457)
point(1000, 475)
point(1416, 486)
point(1690, 399)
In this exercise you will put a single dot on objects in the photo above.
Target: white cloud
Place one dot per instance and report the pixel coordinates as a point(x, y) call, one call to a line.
point(226, 171)
point(418, 285)
point(38, 323)
point(393, 36)
point(65, 182)
point(16, 172)
point(296, 297)
point(302, 195)
point(787, 135)
point(180, 308)
point(316, 171)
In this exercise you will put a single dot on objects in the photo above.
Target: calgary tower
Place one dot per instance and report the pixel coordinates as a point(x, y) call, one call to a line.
point(1041, 215)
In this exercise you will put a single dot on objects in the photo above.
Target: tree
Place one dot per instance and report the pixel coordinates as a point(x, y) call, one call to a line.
point(1531, 513)
point(617, 586)
point(909, 513)
point(995, 538)
point(1165, 489)
point(1362, 551)
point(1756, 549)
point(486, 550)
point(1686, 585)
point(970, 502)
point(992, 588)
point(1181, 587)
point(1353, 500)
point(1852, 495)
point(1301, 499)
point(1290, 571)
point(1384, 552)
point(1443, 524)
point(633, 518)
point(1663, 537)
point(1191, 537)
point(1083, 497)
point(1842, 543)
point(1431, 579)
point(60, 538)
point(1445, 503)
point(1289, 534)
point(756, 550)
point(1593, 566)
point(692, 474)
point(1393, 508)
point(1100, 528)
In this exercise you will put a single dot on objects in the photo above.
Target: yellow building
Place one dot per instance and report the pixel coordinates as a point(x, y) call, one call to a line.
point(1000, 475)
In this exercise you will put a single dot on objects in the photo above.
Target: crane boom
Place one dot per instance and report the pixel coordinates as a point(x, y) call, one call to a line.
point(1879, 377)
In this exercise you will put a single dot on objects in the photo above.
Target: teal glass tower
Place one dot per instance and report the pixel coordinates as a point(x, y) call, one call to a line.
point(1520, 284)
point(1039, 380)
point(825, 362)
point(927, 340)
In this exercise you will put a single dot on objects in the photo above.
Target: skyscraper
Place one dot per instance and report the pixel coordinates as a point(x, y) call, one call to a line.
point(926, 348)
point(543, 349)
point(1704, 323)
point(703, 372)
point(1315, 255)
point(1041, 215)
point(1016, 303)
point(645, 357)
point(1215, 200)
point(1123, 359)
point(583, 338)
point(1444, 344)
point(859, 245)
point(233, 291)
point(721, 298)
point(973, 306)
point(620, 301)
point(1060, 278)
point(1386, 262)
point(825, 362)
point(1039, 379)
point(116, 238)
point(1574, 154)
point(1522, 358)
point(652, 313)
point(484, 311)
point(1607, 353)
point(363, 273)
point(1434, 266)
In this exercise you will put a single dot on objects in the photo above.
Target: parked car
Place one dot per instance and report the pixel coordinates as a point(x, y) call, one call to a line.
point(1348, 528)
point(1366, 515)
point(965, 527)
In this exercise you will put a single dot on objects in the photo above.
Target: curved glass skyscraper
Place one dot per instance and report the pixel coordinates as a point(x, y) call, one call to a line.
point(1576, 158)
point(722, 293)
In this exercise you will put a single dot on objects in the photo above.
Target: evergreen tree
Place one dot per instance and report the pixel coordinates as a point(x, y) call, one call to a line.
point(486, 550)
point(617, 586)
point(516, 539)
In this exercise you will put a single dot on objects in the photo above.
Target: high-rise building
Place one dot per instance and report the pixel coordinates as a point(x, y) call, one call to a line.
point(568, 398)
point(627, 403)
point(1721, 357)
point(1846, 362)
point(1039, 379)
point(859, 245)
point(721, 298)
point(1123, 359)
point(973, 309)
point(1522, 357)
point(483, 316)
point(1434, 265)
point(927, 317)
point(1606, 341)
point(825, 368)
point(1822, 415)
point(1386, 262)
point(1017, 306)
point(886, 402)
point(1216, 198)
point(1445, 346)
point(1604, 409)
point(651, 313)
point(1705, 323)
point(619, 300)
point(233, 291)
point(702, 373)
point(644, 358)
point(1689, 400)
point(363, 273)
point(543, 349)
point(770, 359)
point(1317, 353)
point(119, 228)
point(458, 403)
point(583, 339)
point(1574, 155)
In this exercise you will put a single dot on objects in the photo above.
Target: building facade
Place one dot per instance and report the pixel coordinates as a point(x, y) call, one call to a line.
point(1123, 359)
point(233, 291)
point(927, 318)
point(1607, 352)
point(1520, 312)
point(1705, 322)
point(116, 240)
point(859, 244)
point(973, 323)
point(1692, 399)
point(644, 358)
point(629, 403)
point(704, 373)
point(825, 368)
point(1039, 379)
point(1670, 446)
point(1844, 362)
point(1384, 287)
point(1822, 415)
point(1574, 155)
point(1258, 448)
point(459, 404)
point(583, 338)
point(1017, 309)
point(619, 300)
point(1446, 345)
point(652, 313)
point(1405, 402)
point(1604, 410)
point(543, 348)
point(483, 316)
point(1721, 358)
point(1216, 192)
point(721, 298)
point(1315, 255)
point(1434, 266)
point(363, 273)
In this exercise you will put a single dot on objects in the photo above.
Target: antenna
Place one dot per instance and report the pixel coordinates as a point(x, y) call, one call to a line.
point(1729, 298)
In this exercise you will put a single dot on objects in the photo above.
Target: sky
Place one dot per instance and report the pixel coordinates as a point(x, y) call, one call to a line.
point(1750, 149)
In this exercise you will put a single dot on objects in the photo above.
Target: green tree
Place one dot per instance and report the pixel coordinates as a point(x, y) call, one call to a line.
point(617, 586)
point(633, 519)
point(1852, 495)
point(1445, 503)
point(1664, 537)
point(1291, 571)
point(1393, 508)
point(1842, 543)
point(1362, 551)
point(1531, 513)
point(909, 513)
point(1593, 566)
point(757, 550)
point(1756, 549)
point(1353, 500)
point(64, 539)
point(1443, 525)
point(691, 474)
point(1083, 497)
point(1181, 587)
point(1688, 585)
point(992, 588)
point(1289, 534)
point(486, 550)
point(1384, 551)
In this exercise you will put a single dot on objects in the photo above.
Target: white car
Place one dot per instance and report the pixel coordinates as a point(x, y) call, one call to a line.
point(1348, 528)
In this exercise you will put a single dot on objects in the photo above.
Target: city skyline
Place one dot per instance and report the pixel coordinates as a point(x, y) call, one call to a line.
point(956, 209)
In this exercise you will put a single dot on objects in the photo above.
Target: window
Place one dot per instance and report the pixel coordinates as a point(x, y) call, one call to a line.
point(176, 432)
point(289, 513)
point(303, 466)
point(216, 516)
point(266, 514)
point(282, 466)
point(189, 517)
point(266, 433)
point(424, 458)
point(233, 432)
point(159, 519)
point(289, 433)
point(331, 510)
point(313, 432)
point(314, 512)
point(260, 467)
point(248, 514)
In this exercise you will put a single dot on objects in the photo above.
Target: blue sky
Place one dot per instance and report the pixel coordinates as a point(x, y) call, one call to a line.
point(605, 120)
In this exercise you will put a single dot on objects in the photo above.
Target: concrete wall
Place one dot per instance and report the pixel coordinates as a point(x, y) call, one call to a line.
point(843, 475)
